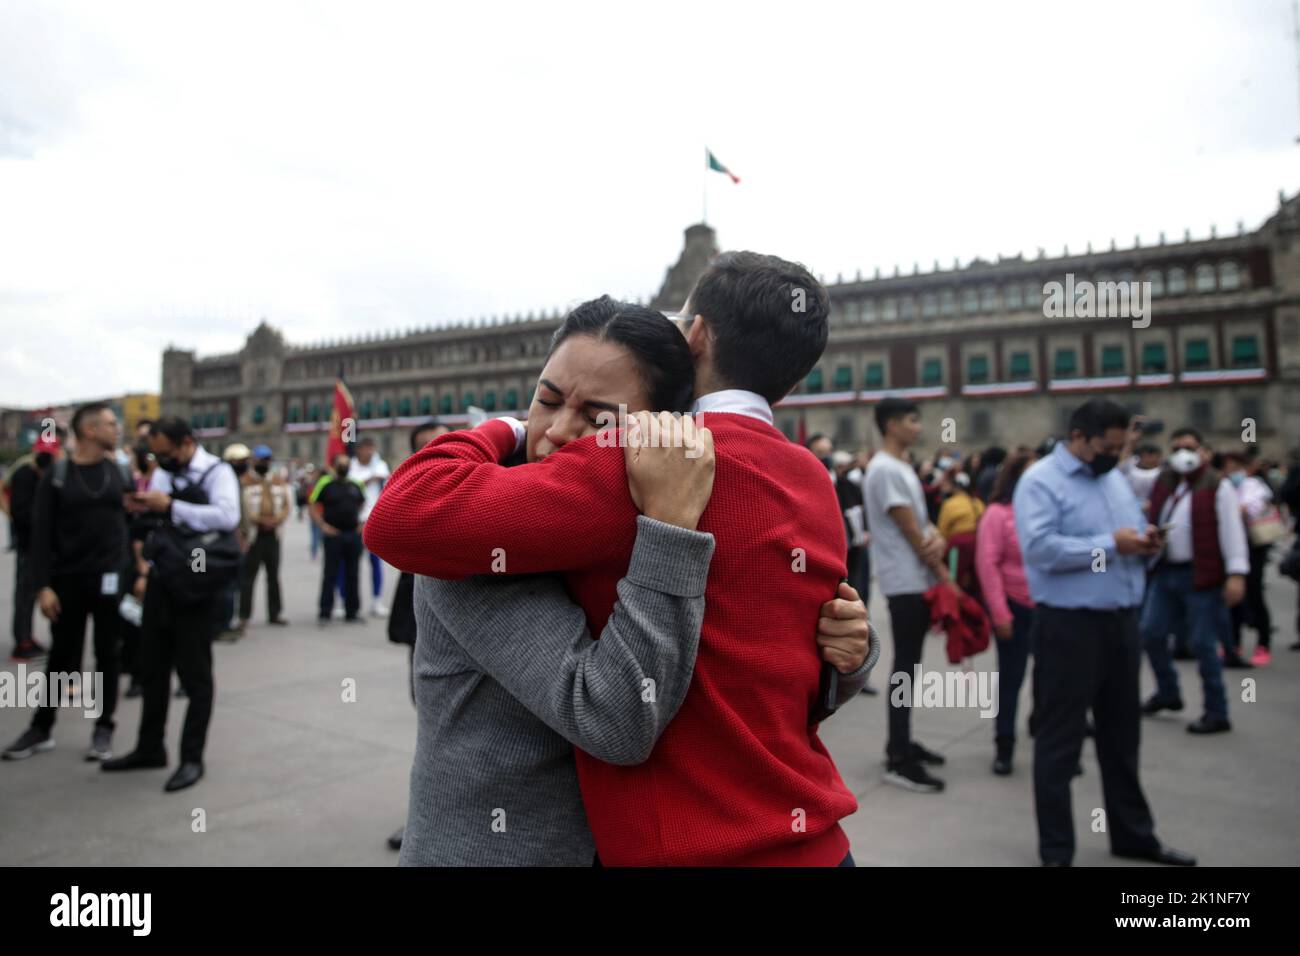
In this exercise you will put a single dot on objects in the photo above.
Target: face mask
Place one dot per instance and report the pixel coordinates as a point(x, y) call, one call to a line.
point(262, 467)
point(1185, 461)
point(43, 460)
point(170, 463)
point(1237, 477)
point(241, 467)
point(1101, 464)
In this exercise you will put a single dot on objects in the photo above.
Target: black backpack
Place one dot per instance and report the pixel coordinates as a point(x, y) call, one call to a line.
point(193, 566)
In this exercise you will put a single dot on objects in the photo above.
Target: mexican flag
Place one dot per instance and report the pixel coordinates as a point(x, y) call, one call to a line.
point(344, 411)
point(717, 167)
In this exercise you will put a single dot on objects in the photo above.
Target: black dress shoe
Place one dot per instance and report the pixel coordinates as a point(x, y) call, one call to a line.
point(1209, 724)
point(1161, 854)
point(135, 761)
point(395, 841)
point(1155, 703)
point(186, 775)
point(1054, 863)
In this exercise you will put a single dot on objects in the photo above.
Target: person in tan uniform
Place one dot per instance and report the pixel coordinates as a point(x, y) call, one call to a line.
point(266, 506)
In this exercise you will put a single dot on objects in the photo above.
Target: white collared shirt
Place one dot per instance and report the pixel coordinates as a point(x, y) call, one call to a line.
point(221, 486)
point(736, 401)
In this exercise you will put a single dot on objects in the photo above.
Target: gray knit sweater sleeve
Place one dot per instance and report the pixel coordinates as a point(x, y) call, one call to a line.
point(613, 697)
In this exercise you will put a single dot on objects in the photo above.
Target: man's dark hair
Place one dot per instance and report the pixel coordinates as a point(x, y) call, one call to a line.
point(659, 350)
point(1147, 449)
point(367, 441)
point(1183, 432)
point(818, 436)
point(89, 410)
point(431, 424)
point(143, 423)
point(769, 319)
point(172, 427)
point(1013, 466)
point(1098, 416)
point(888, 409)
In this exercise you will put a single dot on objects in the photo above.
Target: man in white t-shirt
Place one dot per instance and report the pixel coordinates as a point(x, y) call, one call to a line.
point(907, 553)
point(371, 471)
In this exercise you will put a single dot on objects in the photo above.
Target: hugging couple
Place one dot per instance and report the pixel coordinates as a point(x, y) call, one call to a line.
point(621, 644)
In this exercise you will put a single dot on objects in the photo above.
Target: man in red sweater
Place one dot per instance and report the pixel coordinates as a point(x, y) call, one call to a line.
point(739, 777)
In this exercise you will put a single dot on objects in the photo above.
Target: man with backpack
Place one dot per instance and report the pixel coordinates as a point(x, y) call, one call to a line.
point(77, 556)
point(190, 559)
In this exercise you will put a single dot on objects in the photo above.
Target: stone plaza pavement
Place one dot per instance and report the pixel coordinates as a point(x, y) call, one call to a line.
point(297, 776)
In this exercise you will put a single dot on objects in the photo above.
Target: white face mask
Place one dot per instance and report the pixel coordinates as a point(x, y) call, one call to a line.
point(1185, 461)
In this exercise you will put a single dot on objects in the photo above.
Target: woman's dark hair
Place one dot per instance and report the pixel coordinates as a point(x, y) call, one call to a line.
point(662, 357)
point(1009, 472)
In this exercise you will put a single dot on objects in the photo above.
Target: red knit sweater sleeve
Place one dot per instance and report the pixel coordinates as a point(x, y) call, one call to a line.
point(452, 510)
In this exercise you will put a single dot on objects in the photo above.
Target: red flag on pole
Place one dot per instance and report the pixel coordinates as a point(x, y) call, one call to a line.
point(344, 412)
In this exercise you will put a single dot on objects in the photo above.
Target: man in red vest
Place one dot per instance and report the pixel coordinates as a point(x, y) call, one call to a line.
point(1200, 573)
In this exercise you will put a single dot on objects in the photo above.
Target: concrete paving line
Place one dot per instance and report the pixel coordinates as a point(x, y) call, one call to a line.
point(316, 727)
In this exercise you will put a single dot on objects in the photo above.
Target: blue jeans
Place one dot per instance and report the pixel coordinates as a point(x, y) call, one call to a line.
point(1013, 658)
point(1169, 598)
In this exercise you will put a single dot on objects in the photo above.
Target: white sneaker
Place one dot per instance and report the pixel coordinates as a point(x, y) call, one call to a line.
point(339, 614)
point(378, 610)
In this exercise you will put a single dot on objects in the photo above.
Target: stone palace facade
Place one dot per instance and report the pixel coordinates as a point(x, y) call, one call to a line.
point(972, 344)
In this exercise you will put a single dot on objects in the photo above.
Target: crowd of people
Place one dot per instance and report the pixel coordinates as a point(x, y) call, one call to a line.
point(593, 669)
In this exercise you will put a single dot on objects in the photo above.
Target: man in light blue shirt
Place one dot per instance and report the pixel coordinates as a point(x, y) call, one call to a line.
point(1085, 542)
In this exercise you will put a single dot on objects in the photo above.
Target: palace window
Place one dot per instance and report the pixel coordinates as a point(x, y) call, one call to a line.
point(385, 409)
point(813, 383)
point(1229, 276)
point(977, 369)
point(1157, 280)
point(445, 404)
point(1020, 369)
point(868, 310)
point(1112, 359)
point(970, 301)
point(929, 305)
point(489, 401)
point(512, 399)
point(932, 372)
point(1245, 351)
point(426, 405)
point(1196, 354)
point(1065, 365)
point(948, 302)
point(1205, 277)
point(875, 374)
point(988, 299)
point(843, 378)
point(1177, 281)
point(1153, 357)
point(1013, 297)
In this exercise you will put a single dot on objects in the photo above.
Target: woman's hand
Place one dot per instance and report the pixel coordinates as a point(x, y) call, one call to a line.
point(669, 467)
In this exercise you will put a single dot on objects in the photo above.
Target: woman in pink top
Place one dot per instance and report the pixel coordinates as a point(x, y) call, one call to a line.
point(1001, 574)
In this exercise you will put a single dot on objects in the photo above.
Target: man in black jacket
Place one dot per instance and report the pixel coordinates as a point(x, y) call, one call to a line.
point(77, 557)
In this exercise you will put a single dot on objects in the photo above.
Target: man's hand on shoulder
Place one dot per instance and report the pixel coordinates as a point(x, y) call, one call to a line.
point(843, 633)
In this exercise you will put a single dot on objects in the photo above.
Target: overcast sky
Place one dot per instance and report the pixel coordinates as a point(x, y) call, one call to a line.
point(171, 172)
